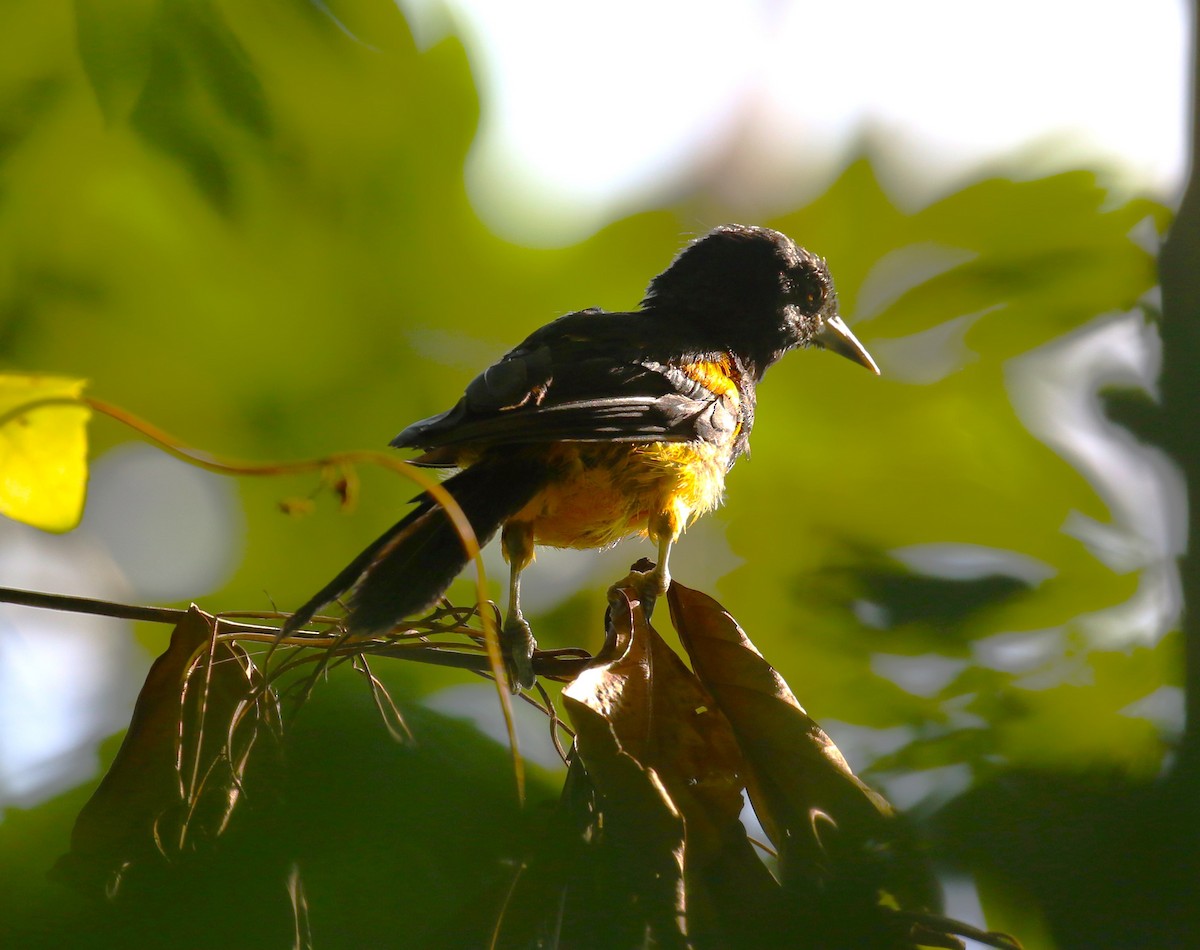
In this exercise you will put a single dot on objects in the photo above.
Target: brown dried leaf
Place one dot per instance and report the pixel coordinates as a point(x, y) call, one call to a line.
point(662, 717)
point(665, 772)
point(178, 774)
point(798, 781)
point(641, 831)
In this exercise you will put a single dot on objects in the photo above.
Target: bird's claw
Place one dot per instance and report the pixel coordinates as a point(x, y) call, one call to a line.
point(518, 645)
point(650, 583)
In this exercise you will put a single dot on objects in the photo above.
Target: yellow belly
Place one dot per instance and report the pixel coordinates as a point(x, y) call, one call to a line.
point(605, 492)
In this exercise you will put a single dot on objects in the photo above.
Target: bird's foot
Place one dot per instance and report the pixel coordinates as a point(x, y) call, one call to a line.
point(517, 644)
point(650, 582)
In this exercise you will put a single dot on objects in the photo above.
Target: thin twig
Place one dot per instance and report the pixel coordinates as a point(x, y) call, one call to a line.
point(433, 654)
point(86, 605)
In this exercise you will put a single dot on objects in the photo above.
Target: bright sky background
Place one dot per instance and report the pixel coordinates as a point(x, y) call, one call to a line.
point(590, 111)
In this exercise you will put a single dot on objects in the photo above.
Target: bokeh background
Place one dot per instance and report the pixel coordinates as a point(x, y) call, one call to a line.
point(284, 228)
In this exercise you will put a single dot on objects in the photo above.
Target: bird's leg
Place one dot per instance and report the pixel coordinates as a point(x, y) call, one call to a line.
point(664, 527)
point(661, 575)
point(516, 637)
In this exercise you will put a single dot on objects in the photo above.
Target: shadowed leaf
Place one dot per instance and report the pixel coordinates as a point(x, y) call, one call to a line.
point(178, 775)
point(827, 824)
point(661, 716)
point(647, 842)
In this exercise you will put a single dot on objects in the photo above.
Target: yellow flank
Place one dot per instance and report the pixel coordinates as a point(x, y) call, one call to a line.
point(605, 492)
point(715, 376)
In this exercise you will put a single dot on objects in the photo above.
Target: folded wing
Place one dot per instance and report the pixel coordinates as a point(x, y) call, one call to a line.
point(588, 377)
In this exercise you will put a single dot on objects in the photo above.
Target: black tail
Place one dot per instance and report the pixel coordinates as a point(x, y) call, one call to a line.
point(409, 566)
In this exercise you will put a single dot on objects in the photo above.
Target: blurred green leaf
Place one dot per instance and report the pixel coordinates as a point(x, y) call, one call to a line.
point(116, 51)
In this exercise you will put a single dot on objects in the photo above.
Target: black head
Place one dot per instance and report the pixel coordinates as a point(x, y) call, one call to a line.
point(757, 292)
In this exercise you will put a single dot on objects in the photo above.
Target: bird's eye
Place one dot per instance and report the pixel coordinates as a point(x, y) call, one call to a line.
point(812, 293)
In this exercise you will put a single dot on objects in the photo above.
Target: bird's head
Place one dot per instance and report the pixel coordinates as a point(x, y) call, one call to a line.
point(758, 293)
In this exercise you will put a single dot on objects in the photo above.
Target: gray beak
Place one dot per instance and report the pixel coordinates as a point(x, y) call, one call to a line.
point(836, 336)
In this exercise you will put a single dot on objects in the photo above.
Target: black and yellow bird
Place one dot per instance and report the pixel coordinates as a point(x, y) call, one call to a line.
point(601, 425)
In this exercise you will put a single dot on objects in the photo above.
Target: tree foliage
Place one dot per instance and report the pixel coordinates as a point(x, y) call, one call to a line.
point(248, 223)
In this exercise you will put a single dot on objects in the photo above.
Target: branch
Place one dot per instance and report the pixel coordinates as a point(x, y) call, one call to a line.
point(555, 664)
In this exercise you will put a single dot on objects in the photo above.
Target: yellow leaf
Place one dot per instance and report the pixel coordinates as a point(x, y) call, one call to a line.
point(43, 451)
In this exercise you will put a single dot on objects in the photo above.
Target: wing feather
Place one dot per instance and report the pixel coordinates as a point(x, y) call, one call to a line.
point(587, 377)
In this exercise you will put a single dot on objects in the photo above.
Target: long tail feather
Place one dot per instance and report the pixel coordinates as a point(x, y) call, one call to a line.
point(408, 567)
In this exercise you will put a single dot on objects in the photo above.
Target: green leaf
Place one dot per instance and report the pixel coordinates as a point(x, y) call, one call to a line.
point(116, 47)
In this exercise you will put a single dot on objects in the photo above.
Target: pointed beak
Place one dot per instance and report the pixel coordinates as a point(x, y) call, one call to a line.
point(836, 336)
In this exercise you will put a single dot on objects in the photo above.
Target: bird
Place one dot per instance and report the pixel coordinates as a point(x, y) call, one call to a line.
point(598, 426)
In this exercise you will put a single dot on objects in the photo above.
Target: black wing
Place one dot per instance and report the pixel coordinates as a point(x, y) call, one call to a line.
point(588, 377)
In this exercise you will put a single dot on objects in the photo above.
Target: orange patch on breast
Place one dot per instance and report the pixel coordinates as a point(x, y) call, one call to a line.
point(716, 376)
point(607, 492)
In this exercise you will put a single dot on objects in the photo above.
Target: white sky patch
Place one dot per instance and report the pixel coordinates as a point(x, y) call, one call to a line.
point(477, 702)
point(1019, 652)
point(66, 680)
point(591, 112)
point(924, 358)
point(901, 270)
point(925, 675)
point(963, 81)
point(926, 789)
point(862, 745)
point(1055, 390)
point(174, 530)
point(1165, 707)
point(154, 529)
point(966, 562)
